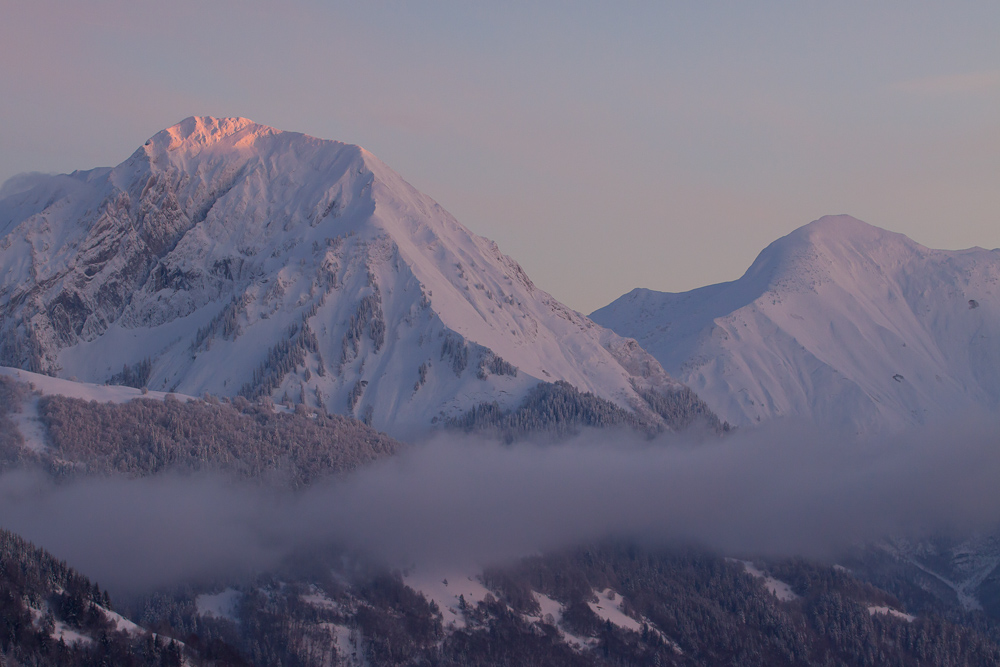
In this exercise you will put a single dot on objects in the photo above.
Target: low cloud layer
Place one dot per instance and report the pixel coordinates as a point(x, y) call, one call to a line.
point(461, 502)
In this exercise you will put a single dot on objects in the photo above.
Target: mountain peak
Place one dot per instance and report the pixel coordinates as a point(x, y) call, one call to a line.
point(231, 258)
point(831, 248)
point(842, 223)
point(839, 322)
point(234, 140)
point(202, 131)
point(841, 230)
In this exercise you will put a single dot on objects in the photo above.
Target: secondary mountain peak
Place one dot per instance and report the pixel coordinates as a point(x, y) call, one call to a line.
point(843, 227)
point(839, 323)
point(833, 248)
point(837, 235)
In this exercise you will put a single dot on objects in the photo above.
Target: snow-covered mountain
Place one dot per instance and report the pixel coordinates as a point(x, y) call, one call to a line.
point(840, 323)
point(231, 258)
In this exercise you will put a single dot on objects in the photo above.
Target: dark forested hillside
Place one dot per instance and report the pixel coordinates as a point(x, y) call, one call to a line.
point(685, 608)
point(559, 409)
point(52, 615)
point(553, 408)
point(699, 609)
point(145, 436)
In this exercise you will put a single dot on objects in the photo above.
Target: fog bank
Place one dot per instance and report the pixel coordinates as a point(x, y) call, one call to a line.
point(777, 490)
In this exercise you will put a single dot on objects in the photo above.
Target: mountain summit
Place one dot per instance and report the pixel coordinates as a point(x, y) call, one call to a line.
point(231, 258)
point(840, 323)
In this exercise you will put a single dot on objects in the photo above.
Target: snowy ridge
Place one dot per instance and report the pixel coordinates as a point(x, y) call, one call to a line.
point(239, 259)
point(839, 323)
point(46, 385)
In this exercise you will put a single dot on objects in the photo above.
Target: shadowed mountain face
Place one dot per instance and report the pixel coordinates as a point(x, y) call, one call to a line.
point(235, 259)
point(840, 323)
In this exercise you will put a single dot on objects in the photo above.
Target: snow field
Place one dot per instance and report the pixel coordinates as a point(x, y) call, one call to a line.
point(779, 589)
point(446, 589)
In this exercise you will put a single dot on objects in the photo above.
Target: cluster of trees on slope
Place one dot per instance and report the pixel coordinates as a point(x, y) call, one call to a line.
point(287, 354)
point(557, 408)
point(694, 609)
point(456, 351)
point(12, 452)
point(560, 409)
point(145, 436)
point(37, 591)
point(490, 363)
point(21, 350)
point(682, 408)
point(226, 323)
point(136, 375)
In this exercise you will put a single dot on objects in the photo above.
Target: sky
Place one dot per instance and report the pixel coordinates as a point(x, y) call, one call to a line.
point(604, 146)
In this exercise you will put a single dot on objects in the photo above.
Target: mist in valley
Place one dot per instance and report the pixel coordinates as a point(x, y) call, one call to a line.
point(457, 501)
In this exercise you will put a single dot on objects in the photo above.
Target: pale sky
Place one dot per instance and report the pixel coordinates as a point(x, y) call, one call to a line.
point(605, 146)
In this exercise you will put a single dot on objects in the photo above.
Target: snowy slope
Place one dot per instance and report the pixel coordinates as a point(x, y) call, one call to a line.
point(45, 385)
point(237, 258)
point(840, 323)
